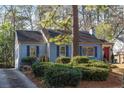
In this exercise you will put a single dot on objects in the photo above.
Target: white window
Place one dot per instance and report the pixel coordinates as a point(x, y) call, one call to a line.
point(33, 51)
point(62, 51)
point(88, 51)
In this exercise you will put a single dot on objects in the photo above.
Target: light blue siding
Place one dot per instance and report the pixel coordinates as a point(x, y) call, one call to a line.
point(23, 50)
point(70, 49)
point(99, 50)
point(53, 52)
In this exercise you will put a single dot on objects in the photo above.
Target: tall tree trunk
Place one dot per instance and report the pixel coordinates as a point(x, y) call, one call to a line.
point(75, 30)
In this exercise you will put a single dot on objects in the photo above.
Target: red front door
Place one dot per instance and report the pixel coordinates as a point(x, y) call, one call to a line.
point(106, 53)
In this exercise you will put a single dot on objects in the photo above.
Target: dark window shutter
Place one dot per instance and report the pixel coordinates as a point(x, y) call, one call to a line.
point(67, 50)
point(57, 51)
point(28, 50)
point(37, 51)
point(80, 50)
point(95, 51)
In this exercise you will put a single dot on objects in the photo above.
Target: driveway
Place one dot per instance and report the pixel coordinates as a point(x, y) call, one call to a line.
point(12, 78)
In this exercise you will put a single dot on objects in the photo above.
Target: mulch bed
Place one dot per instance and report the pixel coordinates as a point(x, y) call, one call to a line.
point(114, 81)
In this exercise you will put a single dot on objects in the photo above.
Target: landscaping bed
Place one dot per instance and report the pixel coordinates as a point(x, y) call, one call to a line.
point(79, 72)
point(114, 81)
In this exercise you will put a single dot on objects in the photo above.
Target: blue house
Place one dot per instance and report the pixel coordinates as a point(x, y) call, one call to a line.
point(36, 43)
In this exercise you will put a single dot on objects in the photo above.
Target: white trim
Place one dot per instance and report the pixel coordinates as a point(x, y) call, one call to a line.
point(17, 55)
point(17, 50)
point(48, 44)
point(48, 50)
point(16, 38)
point(44, 36)
point(60, 50)
point(30, 48)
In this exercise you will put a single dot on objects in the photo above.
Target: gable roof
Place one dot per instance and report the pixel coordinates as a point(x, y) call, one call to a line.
point(26, 36)
point(105, 42)
point(84, 36)
point(50, 33)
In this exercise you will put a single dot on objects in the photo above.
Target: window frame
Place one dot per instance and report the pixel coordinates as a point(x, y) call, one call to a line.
point(60, 50)
point(34, 55)
point(86, 47)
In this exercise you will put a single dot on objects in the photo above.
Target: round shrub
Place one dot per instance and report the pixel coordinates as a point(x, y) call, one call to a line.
point(29, 60)
point(79, 60)
point(94, 73)
point(39, 68)
point(63, 60)
point(62, 76)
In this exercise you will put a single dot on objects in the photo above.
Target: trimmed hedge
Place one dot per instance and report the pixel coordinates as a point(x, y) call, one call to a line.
point(94, 73)
point(29, 60)
point(99, 64)
point(62, 65)
point(40, 68)
point(66, 75)
point(94, 60)
point(79, 60)
point(62, 76)
point(94, 63)
point(63, 60)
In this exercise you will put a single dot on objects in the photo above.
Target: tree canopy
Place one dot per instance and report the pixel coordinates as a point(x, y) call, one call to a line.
point(108, 20)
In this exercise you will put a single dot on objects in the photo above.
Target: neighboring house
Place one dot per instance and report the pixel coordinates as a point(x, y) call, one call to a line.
point(118, 48)
point(36, 43)
point(119, 57)
point(118, 45)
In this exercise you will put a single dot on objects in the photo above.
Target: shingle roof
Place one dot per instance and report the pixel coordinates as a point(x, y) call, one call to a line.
point(36, 36)
point(84, 36)
point(53, 34)
point(25, 36)
point(105, 42)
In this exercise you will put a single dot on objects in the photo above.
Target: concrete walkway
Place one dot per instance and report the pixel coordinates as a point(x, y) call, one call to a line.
point(12, 78)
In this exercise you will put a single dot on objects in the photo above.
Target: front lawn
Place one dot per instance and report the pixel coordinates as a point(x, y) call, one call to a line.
point(86, 74)
point(114, 81)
